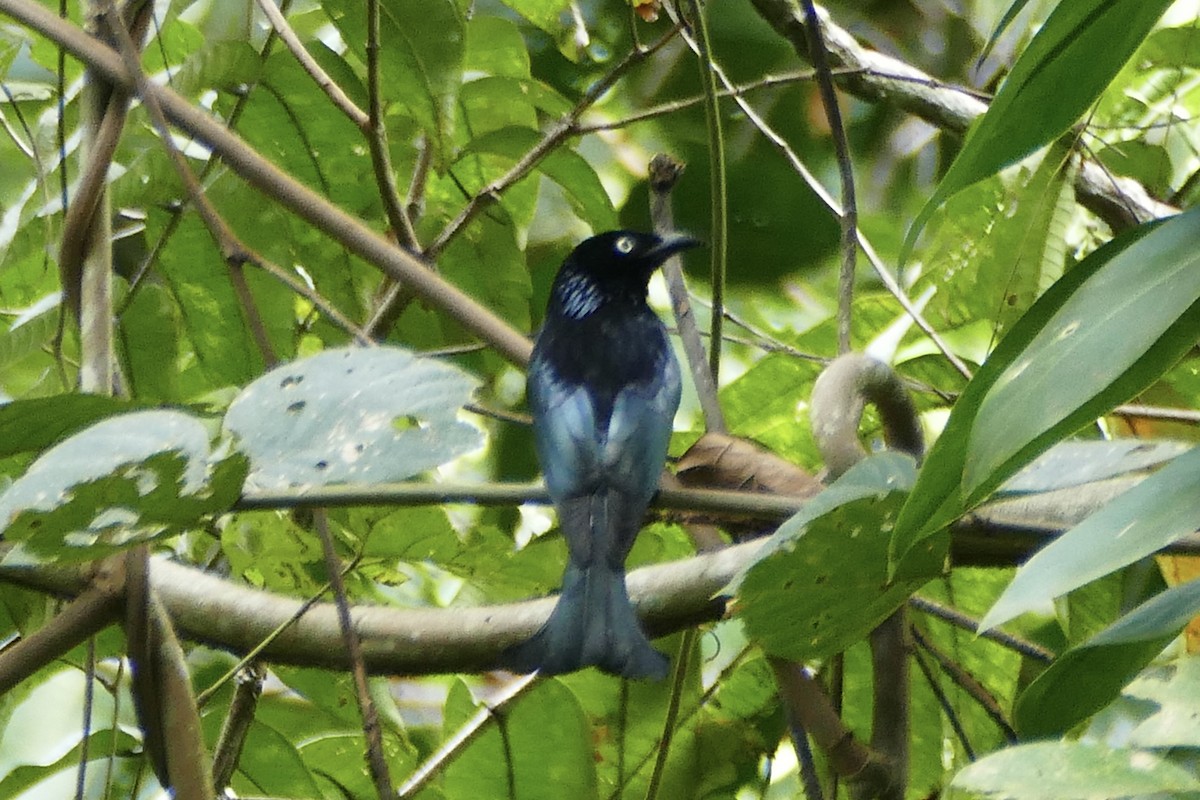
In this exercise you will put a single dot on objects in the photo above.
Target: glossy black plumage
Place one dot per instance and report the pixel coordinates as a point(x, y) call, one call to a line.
point(603, 386)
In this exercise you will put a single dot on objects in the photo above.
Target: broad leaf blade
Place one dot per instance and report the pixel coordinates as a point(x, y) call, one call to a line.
point(366, 415)
point(1126, 325)
point(941, 494)
point(1069, 770)
point(120, 482)
point(821, 583)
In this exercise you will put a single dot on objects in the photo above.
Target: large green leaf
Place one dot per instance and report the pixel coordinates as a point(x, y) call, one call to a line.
point(1119, 331)
point(1077, 52)
point(1089, 676)
point(120, 482)
point(420, 56)
point(365, 415)
point(515, 753)
point(1145, 519)
point(1068, 770)
point(29, 425)
point(970, 440)
point(822, 581)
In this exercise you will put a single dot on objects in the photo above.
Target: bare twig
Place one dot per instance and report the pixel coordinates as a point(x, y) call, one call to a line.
point(885, 276)
point(947, 707)
point(1121, 202)
point(553, 138)
point(290, 193)
point(381, 159)
point(961, 620)
point(86, 616)
point(228, 749)
point(687, 645)
point(664, 172)
point(309, 64)
point(967, 682)
point(718, 191)
point(849, 216)
point(470, 730)
point(232, 250)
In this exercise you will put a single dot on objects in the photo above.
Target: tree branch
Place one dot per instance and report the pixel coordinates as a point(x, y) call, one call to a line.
point(266, 177)
point(878, 78)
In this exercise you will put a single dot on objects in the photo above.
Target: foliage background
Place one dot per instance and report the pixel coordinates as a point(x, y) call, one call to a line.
point(466, 92)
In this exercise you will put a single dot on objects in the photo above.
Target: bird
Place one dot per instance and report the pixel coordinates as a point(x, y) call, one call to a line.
point(603, 387)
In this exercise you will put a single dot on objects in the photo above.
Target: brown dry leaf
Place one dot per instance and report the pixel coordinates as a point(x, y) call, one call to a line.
point(721, 461)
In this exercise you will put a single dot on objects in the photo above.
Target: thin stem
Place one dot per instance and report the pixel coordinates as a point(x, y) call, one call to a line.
point(849, 216)
point(718, 190)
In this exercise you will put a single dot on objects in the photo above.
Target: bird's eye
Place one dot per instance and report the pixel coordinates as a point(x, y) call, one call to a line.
point(624, 245)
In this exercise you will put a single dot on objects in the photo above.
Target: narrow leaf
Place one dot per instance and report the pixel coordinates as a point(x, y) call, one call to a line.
point(1077, 52)
point(1145, 519)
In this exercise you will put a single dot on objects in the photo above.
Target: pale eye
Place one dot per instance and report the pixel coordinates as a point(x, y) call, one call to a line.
point(624, 245)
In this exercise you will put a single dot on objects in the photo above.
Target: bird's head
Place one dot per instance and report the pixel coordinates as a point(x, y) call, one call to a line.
point(611, 265)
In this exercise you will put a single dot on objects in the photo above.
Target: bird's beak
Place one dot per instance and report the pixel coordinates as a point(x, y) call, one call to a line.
point(671, 243)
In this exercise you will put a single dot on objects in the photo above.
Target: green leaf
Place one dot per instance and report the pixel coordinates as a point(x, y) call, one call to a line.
point(1077, 52)
point(365, 415)
point(421, 49)
point(940, 495)
point(821, 583)
point(566, 769)
point(118, 483)
point(545, 14)
point(1174, 690)
point(1001, 27)
point(1088, 677)
point(1068, 770)
point(1118, 332)
point(30, 425)
point(1141, 521)
point(565, 167)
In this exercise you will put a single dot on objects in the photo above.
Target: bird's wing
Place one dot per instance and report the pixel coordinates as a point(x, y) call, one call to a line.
point(564, 432)
point(639, 431)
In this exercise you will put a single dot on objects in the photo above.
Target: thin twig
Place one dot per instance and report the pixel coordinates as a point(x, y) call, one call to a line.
point(309, 64)
point(947, 707)
point(228, 749)
point(961, 620)
point(232, 250)
point(468, 732)
point(849, 216)
point(377, 142)
point(549, 143)
point(687, 645)
point(718, 188)
point(664, 172)
point(967, 682)
point(287, 191)
point(376, 761)
point(885, 276)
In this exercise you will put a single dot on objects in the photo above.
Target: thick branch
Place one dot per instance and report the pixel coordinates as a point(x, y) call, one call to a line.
point(669, 597)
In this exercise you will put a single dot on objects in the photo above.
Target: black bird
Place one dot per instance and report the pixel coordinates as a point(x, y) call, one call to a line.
point(603, 386)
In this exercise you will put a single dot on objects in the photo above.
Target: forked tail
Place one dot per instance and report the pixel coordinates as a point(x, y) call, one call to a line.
point(592, 625)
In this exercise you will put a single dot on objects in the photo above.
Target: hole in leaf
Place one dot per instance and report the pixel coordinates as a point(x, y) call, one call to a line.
point(407, 422)
point(296, 407)
point(322, 464)
point(290, 380)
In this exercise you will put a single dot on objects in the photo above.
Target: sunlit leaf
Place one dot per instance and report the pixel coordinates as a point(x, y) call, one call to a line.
point(365, 415)
point(1069, 770)
point(1143, 520)
point(1089, 676)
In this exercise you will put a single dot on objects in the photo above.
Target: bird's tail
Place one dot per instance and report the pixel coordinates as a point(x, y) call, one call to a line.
point(593, 624)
